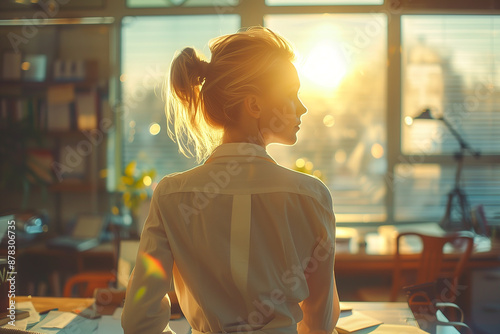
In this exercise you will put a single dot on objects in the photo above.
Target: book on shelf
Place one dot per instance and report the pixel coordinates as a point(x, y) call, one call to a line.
point(59, 117)
point(86, 110)
point(29, 110)
point(61, 94)
point(71, 165)
point(11, 69)
point(34, 67)
point(40, 164)
point(62, 108)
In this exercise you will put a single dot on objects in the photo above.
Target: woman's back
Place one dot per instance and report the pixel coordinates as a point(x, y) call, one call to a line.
point(273, 218)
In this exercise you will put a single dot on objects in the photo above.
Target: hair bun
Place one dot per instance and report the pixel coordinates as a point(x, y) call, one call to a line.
point(197, 67)
point(203, 69)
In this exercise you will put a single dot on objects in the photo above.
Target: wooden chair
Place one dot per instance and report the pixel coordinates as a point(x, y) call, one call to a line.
point(432, 263)
point(87, 282)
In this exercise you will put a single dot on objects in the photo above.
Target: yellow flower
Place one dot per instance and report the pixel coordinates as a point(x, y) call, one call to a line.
point(132, 184)
point(130, 169)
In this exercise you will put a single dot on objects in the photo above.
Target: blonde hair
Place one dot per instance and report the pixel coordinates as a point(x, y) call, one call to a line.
point(204, 98)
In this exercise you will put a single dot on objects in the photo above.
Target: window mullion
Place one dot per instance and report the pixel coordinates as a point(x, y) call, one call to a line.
point(393, 116)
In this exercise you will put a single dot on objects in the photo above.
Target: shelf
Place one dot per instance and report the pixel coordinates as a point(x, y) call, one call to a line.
point(76, 187)
point(66, 133)
point(87, 84)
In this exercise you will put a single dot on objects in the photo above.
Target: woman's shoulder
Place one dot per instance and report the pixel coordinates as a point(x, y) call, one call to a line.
point(305, 183)
point(173, 181)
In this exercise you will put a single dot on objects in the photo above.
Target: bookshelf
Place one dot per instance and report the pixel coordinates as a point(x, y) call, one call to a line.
point(53, 138)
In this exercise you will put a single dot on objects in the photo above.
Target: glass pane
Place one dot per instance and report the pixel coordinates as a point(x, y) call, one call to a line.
point(148, 47)
point(343, 136)
point(421, 191)
point(174, 3)
point(450, 65)
point(322, 2)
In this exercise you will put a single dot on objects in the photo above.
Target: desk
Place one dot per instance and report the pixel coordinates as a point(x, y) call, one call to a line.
point(363, 263)
point(179, 326)
point(376, 253)
point(389, 313)
point(63, 304)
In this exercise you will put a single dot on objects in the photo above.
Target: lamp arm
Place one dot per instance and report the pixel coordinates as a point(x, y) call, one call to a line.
point(463, 144)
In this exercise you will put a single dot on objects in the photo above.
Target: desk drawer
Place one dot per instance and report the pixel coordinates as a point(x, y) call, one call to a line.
point(485, 300)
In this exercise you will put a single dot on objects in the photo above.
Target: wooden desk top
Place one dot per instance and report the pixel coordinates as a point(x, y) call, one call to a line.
point(62, 304)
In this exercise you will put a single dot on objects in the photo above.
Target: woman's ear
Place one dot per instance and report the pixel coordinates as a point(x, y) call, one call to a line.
point(252, 106)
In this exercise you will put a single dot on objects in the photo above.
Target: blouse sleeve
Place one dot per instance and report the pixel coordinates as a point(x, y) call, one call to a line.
point(147, 306)
point(321, 308)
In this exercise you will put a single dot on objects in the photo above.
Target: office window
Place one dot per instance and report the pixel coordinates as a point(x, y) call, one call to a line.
point(322, 2)
point(450, 65)
point(176, 3)
point(422, 191)
point(342, 66)
point(148, 47)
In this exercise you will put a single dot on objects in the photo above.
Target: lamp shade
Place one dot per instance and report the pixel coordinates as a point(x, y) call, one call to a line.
point(425, 114)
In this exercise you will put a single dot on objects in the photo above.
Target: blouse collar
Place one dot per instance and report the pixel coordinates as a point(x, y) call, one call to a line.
point(240, 150)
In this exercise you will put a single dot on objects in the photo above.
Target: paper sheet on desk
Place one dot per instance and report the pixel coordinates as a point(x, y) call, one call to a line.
point(355, 322)
point(109, 325)
point(78, 325)
point(60, 321)
point(180, 326)
point(345, 307)
point(28, 306)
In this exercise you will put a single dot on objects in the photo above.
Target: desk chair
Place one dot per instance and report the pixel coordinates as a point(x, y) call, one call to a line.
point(432, 262)
point(87, 282)
point(429, 264)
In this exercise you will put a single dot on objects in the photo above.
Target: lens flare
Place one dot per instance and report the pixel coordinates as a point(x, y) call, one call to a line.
point(139, 294)
point(153, 266)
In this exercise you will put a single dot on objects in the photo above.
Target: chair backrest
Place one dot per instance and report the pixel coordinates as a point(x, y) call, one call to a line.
point(432, 263)
point(87, 283)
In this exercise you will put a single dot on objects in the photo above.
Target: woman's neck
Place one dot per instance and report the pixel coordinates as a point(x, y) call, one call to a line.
point(242, 135)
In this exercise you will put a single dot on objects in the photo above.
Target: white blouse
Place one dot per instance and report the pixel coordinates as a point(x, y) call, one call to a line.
point(249, 246)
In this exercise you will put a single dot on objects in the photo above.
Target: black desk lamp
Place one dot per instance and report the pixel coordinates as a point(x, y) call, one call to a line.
point(457, 192)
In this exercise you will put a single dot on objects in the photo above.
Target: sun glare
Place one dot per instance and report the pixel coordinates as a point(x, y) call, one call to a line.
point(325, 65)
